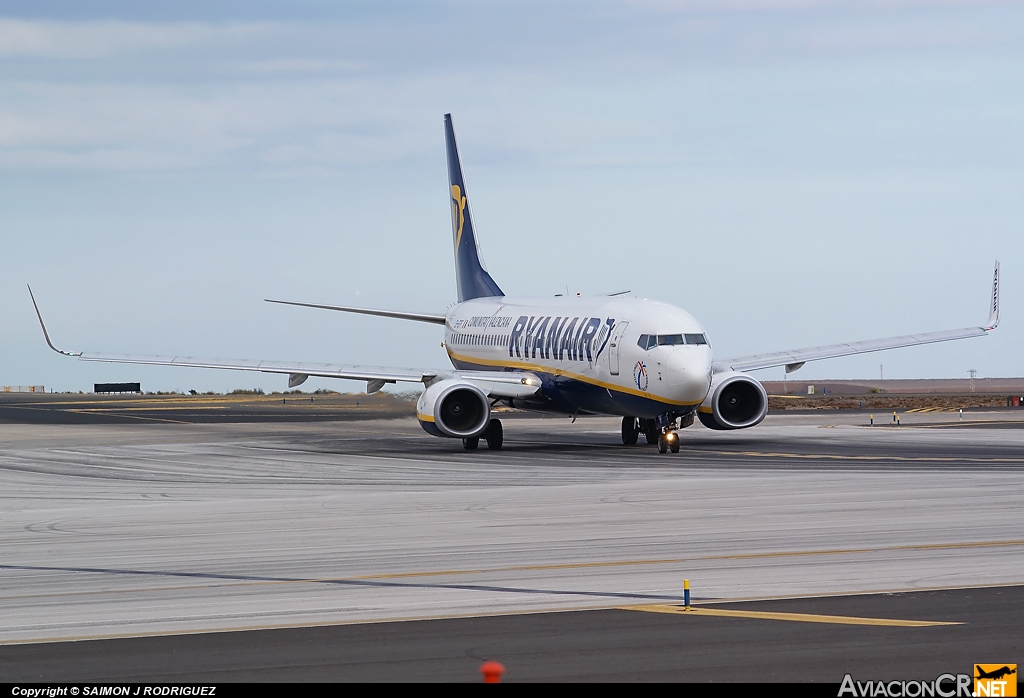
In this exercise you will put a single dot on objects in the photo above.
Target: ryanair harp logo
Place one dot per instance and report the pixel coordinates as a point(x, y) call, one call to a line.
point(640, 375)
point(458, 213)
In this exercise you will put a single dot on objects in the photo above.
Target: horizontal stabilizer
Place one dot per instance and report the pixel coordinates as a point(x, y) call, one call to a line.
point(401, 315)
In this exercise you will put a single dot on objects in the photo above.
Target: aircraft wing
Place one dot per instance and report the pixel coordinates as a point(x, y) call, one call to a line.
point(494, 383)
point(796, 358)
point(351, 372)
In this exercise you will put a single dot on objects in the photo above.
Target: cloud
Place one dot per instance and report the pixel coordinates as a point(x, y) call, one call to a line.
point(703, 6)
point(110, 94)
point(95, 39)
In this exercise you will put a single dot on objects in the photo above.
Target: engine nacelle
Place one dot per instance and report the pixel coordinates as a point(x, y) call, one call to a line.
point(454, 408)
point(735, 401)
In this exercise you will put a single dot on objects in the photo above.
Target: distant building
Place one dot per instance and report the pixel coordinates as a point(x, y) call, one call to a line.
point(24, 389)
point(117, 388)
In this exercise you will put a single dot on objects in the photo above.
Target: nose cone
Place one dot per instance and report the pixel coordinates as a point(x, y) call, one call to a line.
point(688, 373)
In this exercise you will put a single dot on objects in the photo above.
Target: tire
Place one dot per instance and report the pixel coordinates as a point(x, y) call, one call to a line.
point(662, 445)
point(471, 444)
point(630, 431)
point(675, 446)
point(495, 435)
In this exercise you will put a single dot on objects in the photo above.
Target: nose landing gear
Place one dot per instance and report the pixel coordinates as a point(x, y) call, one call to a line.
point(665, 436)
point(668, 441)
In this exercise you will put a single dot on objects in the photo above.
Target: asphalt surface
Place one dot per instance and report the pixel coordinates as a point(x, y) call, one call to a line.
point(606, 645)
point(129, 408)
point(358, 549)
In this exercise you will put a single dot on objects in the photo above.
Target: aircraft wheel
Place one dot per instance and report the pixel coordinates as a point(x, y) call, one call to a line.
point(471, 444)
point(494, 435)
point(630, 431)
point(662, 444)
point(675, 446)
point(653, 435)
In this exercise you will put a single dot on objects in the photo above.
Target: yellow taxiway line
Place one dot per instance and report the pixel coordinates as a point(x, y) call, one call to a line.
point(795, 617)
point(655, 608)
point(846, 457)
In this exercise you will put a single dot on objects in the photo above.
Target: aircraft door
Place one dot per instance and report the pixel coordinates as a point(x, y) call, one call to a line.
point(613, 347)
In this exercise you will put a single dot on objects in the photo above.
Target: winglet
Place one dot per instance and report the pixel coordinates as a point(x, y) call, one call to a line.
point(45, 333)
point(993, 313)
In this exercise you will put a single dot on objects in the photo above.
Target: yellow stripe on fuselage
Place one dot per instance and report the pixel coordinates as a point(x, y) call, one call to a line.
point(568, 374)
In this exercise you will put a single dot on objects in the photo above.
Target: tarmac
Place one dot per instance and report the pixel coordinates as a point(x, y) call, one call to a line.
point(368, 550)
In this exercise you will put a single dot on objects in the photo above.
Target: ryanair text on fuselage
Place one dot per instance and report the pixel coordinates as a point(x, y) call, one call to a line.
point(553, 338)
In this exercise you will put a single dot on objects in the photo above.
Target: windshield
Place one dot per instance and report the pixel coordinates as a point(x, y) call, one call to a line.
point(649, 341)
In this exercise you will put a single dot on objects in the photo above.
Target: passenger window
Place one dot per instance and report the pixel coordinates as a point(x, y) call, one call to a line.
point(696, 339)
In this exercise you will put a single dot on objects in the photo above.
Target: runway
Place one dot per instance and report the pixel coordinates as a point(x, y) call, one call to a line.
point(157, 528)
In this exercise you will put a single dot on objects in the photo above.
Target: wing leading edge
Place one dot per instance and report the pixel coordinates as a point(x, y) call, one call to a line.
point(796, 358)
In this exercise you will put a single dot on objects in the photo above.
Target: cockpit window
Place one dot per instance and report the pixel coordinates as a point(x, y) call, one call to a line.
point(649, 341)
point(670, 340)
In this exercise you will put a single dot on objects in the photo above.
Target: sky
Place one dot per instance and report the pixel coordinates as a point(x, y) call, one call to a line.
point(792, 172)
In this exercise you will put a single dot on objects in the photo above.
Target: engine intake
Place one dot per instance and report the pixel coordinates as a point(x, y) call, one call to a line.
point(454, 408)
point(735, 401)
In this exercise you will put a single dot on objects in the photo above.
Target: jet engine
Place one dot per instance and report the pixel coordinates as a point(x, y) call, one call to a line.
point(454, 408)
point(735, 401)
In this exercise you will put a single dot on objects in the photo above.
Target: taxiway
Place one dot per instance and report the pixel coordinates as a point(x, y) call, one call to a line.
point(158, 528)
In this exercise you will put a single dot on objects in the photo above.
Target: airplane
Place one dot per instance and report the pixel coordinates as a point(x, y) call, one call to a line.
point(649, 363)
point(995, 674)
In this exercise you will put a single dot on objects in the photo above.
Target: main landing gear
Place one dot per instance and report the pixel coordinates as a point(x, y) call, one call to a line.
point(493, 435)
point(666, 437)
point(633, 427)
point(630, 431)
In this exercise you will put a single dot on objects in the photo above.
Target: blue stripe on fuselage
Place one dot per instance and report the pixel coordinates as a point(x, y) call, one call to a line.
point(569, 395)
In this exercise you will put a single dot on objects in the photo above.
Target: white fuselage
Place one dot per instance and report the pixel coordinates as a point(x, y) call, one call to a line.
point(604, 355)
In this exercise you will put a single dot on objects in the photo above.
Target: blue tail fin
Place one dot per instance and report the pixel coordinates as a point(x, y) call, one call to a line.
point(471, 277)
